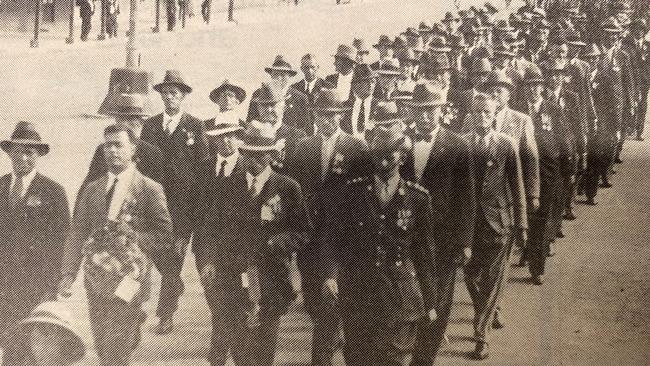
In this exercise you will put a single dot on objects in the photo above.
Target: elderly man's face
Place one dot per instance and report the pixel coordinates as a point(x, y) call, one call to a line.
point(426, 117)
point(172, 97)
point(227, 100)
point(483, 111)
point(501, 95)
point(280, 78)
point(363, 89)
point(271, 112)
point(309, 68)
point(226, 145)
point(23, 159)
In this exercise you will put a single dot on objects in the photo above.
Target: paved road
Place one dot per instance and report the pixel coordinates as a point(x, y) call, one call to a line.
point(593, 310)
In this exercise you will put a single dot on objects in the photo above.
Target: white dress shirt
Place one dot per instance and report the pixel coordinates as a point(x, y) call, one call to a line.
point(344, 84)
point(421, 152)
point(231, 161)
point(329, 143)
point(260, 180)
point(309, 85)
point(119, 193)
point(26, 179)
point(356, 109)
point(385, 190)
point(170, 123)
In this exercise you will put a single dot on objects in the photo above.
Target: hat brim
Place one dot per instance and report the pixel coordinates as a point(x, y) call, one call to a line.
point(240, 93)
point(281, 69)
point(223, 131)
point(73, 352)
point(262, 148)
point(42, 148)
point(183, 87)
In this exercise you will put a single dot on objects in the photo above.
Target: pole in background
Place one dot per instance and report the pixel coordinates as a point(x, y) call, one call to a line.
point(156, 28)
point(102, 27)
point(37, 24)
point(70, 39)
point(131, 44)
point(231, 9)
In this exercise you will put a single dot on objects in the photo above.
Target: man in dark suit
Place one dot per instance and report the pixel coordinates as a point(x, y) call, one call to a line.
point(344, 63)
point(311, 85)
point(639, 49)
point(379, 259)
point(322, 164)
point(501, 214)
point(386, 52)
point(256, 219)
point(387, 76)
point(129, 111)
point(181, 138)
point(555, 165)
point(440, 162)
point(122, 195)
point(461, 100)
point(296, 113)
point(362, 103)
point(35, 219)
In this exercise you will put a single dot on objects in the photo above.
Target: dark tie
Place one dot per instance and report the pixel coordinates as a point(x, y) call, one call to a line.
point(362, 117)
point(222, 168)
point(16, 190)
point(253, 189)
point(109, 194)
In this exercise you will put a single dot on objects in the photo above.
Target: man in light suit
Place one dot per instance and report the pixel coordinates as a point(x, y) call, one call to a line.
point(311, 85)
point(34, 217)
point(344, 63)
point(181, 138)
point(501, 214)
point(322, 164)
point(440, 162)
point(123, 194)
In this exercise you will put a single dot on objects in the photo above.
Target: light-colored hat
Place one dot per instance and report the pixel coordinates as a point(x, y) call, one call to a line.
point(260, 137)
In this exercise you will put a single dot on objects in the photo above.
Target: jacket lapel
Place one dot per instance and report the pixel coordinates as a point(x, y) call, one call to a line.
point(437, 149)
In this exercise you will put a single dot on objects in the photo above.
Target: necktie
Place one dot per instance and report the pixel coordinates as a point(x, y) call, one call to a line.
point(222, 168)
point(253, 188)
point(110, 193)
point(362, 118)
point(16, 190)
point(168, 129)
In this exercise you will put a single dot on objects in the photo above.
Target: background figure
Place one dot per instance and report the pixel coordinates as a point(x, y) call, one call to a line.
point(112, 11)
point(170, 6)
point(86, 11)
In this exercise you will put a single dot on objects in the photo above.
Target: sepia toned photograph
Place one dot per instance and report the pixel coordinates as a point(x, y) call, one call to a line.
point(324, 183)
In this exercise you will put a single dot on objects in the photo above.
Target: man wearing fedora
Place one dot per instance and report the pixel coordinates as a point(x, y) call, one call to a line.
point(257, 219)
point(440, 162)
point(129, 111)
point(498, 176)
point(181, 138)
point(386, 52)
point(322, 164)
point(379, 259)
point(122, 194)
point(295, 112)
point(344, 63)
point(35, 219)
point(311, 85)
point(387, 76)
point(461, 100)
point(407, 63)
point(362, 102)
point(639, 50)
point(228, 97)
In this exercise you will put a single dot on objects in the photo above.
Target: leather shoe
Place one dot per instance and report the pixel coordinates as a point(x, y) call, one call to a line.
point(590, 201)
point(538, 280)
point(481, 352)
point(569, 216)
point(560, 234)
point(165, 326)
point(605, 185)
point(618, 161)
point(639, 138)
point(498, 322)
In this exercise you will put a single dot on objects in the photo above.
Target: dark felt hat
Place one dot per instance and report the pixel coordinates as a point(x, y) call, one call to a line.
point(260, 137)
point(240, 93)
point(384, 41)
point(25, 135)
point(387, 113)
point(533, 75)
point(390, 67)
point(363, 72)
point(435, 63)
point(346, 52)
point(498, 78)
point(280, 64)
point(330, 100)
point(174, 78)
point(426, 94)
point(388, 139)
point(439, 44)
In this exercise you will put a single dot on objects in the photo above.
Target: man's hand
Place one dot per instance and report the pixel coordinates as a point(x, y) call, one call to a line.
point(433, 315)
point(330, 290)
point(533, 204)
point(65, 286)
point(208, 274)
point(180, 245)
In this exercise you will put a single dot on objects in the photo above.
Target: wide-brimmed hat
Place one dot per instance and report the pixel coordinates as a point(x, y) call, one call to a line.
point(128, 105)
point(240, 93)
point(407, 54)
point(574, 38)
point(363, 72)
point(425, 27)
point(25, 135)
point(56, 314)
point(386, 114)
point(450, 17)
point(330, 100)
point(220, 128)
point(533, 75)
point(436, 63)
point(384, 41)
point(611, 25)
point(426, 94)
point(411, 32)
point(390, 67)
point(503, 50)
point(481, 66)
point(260, 137)
point(361, 45)
point(270, 94)
point(388, 139)
point(174, 78)
point(282, 65)
point(592, 50)
point(347, 52)
point(439, 44)
point(498, 78)
point(400, 42)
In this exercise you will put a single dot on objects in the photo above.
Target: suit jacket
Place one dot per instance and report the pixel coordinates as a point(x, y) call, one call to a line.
point(291, 135)
point(236, 233)
point(151, 221)
point(449, 179)
point(462, 101)
point(580, 83)
point(296, 112)
point(148, 160)
point(383, 257)
point(182, 152)
point(333, 80)
point(301, 86)
point(31, 243)
point(500, 196)
point(346, 122)
point(640, 58)
point(576, 132)
point(609, 93)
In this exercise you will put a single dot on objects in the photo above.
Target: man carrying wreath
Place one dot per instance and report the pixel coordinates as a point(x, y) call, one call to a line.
point(120, 219)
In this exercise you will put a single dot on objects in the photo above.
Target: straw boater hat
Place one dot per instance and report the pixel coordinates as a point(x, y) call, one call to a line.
point(260, 137)
point(387, 114)
point(384, 41)
point(175, 78)
point(25, 135)
point(330, 101)
point(280, 64)
point(54, 313)
point(533, 75)
point(240, 93)
point(347, 52)
point(498, 78)
point(129, 105)
point(390, 67)
point(363, 72)
point(426, 94)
